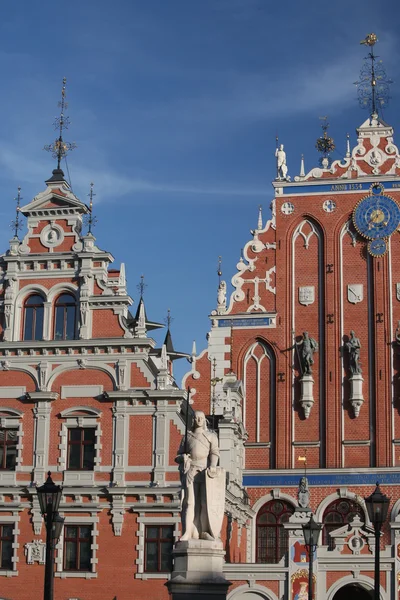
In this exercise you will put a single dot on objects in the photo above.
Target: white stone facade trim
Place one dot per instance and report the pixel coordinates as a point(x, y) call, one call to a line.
point(59, 560)
point(71, 422)
point(239, 593)
point(7, 520)
point(140, 547)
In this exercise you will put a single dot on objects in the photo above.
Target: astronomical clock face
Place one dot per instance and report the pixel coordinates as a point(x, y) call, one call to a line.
point(376, 216)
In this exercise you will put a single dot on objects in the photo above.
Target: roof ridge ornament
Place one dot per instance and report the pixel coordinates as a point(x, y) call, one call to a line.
point(16, 224)
point(325, 144)
point(59, 148)
point(373, 85)
point(90, 219)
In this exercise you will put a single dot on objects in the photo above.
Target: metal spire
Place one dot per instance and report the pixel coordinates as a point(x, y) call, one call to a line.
point(348, 152)
point(302, 167)
point(259, 224)
point(59, 148)
point(141, 286)
point(373, 85)
point(219, 270)
point(16, 224)
point(168, 319)
point(91, 220)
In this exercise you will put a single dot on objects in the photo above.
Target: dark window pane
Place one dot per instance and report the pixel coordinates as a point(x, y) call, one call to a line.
point(167, 533)
point(152, 533)
point(70, 555)
point(85, 532)
point(75, 435)
point(151, 556)
point(2, 456)
point(6, 554)
point(85, 556)
point(74, 461)
point(8, 531)
point(11, 457)
point(70, 323)
point(59, 324)
point(90, 434)
point(71, 532)
point(166, 556)
point(28, 330)
point(34, 300)
point(88, 457)
point(38, 333)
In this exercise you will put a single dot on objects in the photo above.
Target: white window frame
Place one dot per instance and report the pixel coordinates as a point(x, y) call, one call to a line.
point(13, 520)
point(11, 418)
point(79, 521)
point(140, 547)
point(79, 416)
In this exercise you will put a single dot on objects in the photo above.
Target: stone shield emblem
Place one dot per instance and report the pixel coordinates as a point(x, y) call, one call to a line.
point(215, 493)
point(307, 294)
point(398, 291)
point(355, 292)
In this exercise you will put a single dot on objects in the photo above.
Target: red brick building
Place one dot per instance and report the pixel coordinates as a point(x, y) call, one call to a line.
point(85, 393)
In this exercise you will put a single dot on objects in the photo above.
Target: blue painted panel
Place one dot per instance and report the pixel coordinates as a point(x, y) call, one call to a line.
point(250, 322)
point(337, 187)
point(328, 479)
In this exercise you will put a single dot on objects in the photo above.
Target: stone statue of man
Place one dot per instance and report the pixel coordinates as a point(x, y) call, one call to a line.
point(281, 162)
point(197, 458)
point(354, 347)
point(307, 348)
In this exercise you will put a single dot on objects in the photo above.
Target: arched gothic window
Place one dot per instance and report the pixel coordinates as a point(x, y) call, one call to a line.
point(272, 538)
point(64, 317)
point(339, 513)
point(33, 317)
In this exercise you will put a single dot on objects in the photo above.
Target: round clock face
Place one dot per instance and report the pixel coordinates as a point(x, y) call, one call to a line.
point(376, 216)
point(377, 247)
point(329, 206)
point(287, 208)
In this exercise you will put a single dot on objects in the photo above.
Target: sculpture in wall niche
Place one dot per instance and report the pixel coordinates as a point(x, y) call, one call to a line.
point(308, 346)
point(203, 483)
point(397, 334)
point(303, 493)
point(353, 347)
point(281, 165)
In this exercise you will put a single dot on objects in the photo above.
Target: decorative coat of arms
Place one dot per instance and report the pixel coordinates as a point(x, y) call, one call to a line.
point(307, 294)
point(35, 552)
point(398, 291)
point(355, 292)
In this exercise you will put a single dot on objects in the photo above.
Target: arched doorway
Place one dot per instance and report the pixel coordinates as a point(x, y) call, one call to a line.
point(353, 591)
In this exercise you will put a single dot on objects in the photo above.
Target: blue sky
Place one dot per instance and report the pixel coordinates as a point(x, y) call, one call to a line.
point(174, 106)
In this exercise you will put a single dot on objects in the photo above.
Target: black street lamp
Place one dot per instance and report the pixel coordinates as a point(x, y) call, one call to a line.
point(377, 506)
point(311, 531)
point(49, 495)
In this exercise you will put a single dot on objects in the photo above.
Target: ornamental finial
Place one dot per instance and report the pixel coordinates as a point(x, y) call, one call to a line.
point(59, 148)
point(325, 144)
point(16, 224)
point(141, 286)
point(373, 85)
point(219, 269)
point(90, 219)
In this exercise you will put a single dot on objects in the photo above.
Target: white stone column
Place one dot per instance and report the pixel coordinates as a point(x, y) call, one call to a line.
point(161, 450)
point(121, 437)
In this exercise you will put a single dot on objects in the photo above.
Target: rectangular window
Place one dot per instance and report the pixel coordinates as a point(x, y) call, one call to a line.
point(159, 541)
point(77, 548)
point(6, 550)
point(81, 452)
point(8, 448)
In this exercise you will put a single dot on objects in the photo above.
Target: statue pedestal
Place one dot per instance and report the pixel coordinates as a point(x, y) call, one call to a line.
point(307, 398)
point(198, 571)
point(356, 395)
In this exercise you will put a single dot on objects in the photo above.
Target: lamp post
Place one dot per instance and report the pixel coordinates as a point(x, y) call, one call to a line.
point(49, 496)
point(311, 531)
point(377, 506)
